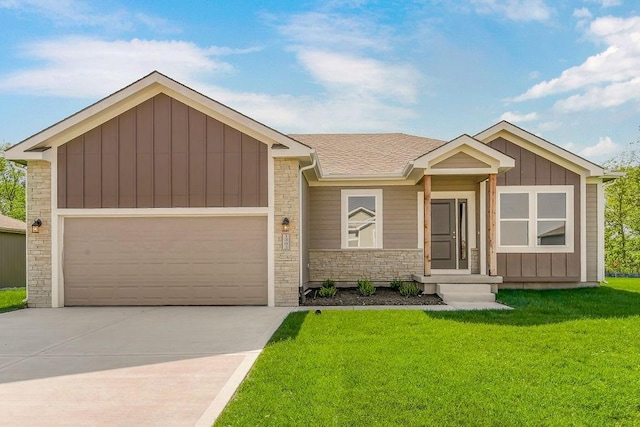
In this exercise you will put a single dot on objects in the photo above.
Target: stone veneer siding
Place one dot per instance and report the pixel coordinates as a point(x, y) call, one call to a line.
point(287, 267)
point(377, 265)
point(39, 245)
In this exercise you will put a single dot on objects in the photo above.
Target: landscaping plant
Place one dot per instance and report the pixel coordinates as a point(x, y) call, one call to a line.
point(409, 290)
point(396, 284)
point(366, 288)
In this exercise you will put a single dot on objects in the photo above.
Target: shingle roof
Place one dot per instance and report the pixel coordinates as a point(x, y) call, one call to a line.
point(367, 153)
point(11, 224)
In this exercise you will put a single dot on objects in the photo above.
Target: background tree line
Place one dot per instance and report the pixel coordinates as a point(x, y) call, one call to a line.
point(12, 187)
point(622, 214)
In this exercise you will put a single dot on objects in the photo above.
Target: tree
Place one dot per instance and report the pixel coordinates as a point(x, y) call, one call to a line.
point(622, 215)
point(12, 187)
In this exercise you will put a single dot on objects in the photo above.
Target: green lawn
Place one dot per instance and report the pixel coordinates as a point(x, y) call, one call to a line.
point(561, 358)
point(11, 299)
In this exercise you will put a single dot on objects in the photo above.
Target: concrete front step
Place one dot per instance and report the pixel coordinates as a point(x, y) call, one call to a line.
point(465, 292)
point(467, 297)
point(463, 287)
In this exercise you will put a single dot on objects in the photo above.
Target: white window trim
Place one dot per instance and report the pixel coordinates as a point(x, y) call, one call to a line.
point(344, 207)
point(532, 191)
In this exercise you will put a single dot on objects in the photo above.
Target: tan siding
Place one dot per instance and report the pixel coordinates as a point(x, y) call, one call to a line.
point(531, 169)
point(400, 216)
point(162, 153)
point(460, 161)
point(453, 183)
point(592, 233)
point(324, 217)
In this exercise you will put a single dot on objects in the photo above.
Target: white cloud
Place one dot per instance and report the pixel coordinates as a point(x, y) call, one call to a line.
point(515, 10)
point(607, 79)
point(596, 98)
point(80, 13)
point(91, 68)
point(606, 3)
point(549, 126)
point(518, 118)
point(83, 67)
point(582, 13)
point(604, 149)
point(340, 53)
point(335, 31)
point(361, 74)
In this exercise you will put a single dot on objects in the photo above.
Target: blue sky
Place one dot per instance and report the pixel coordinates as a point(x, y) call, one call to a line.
point(568, 71)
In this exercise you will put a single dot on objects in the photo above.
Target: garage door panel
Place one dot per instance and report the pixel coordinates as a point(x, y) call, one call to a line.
point(165, 261)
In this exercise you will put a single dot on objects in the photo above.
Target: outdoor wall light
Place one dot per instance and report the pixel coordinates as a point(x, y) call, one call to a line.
point(35, 227)
point(285, 225)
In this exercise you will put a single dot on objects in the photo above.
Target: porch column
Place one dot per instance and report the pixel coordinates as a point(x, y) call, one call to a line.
point(493, 256)
point(427, 225)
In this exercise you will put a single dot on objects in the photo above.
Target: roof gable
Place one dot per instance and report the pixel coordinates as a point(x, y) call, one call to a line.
point(479, 157)
point(540, 147)
point(138, 92)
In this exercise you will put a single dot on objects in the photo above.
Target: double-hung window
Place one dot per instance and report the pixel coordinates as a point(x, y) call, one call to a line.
point(535, 219)
point(361, 219)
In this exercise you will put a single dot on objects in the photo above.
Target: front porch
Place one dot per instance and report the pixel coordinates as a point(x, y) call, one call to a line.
point(459, 237)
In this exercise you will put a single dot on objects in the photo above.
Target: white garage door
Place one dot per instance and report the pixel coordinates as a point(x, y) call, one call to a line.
point(165, 261)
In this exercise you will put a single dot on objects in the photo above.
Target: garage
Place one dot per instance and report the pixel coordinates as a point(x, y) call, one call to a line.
point(142, 260)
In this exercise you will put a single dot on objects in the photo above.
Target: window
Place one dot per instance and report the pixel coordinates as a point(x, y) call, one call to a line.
point(535, 219)
point(361, 219)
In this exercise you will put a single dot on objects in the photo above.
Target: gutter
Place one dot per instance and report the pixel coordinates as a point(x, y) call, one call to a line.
point(300, 178)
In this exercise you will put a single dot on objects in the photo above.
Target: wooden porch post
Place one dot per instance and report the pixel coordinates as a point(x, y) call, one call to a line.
point(427, 225)
point(493, 256)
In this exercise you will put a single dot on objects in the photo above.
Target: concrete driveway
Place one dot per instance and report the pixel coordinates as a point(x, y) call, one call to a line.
point(127, 365)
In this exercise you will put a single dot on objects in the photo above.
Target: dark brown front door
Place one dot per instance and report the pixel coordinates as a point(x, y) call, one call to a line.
point(443, 234)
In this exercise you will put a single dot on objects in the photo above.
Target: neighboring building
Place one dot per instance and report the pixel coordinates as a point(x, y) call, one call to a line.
point(13, 254)
point(158, 194)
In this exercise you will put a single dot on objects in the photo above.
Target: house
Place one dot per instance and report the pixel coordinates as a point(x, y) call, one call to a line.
point(159, 195)
point(13, 269)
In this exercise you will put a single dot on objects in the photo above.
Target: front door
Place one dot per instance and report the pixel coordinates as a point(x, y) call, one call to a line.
point(443, 234)
point(449, 234)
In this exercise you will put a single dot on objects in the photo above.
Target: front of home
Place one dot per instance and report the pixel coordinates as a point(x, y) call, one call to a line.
point(159, 195)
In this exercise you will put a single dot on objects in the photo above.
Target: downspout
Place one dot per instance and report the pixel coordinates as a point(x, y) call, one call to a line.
point(300, 178)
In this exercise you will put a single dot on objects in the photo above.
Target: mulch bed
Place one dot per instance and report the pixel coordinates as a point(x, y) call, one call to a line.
point(383, 296)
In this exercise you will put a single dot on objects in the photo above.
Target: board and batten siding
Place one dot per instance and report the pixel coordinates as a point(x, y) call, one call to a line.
point(592, 233)
point(399, 213)
point(160, 154)
point(531, 169)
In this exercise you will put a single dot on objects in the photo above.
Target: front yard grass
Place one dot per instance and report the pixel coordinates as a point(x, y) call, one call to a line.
point(11, 299)
point(561, 358)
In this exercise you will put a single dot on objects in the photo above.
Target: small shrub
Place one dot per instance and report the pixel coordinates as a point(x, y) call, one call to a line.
point(328, 283)
point(396, 284)
point(409, 290)
point(366, 288)
point(327, 292)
